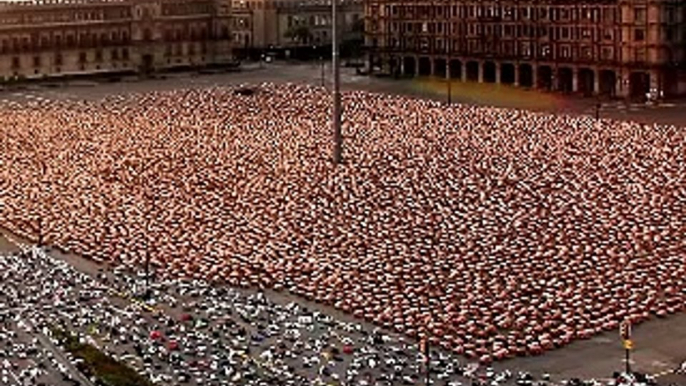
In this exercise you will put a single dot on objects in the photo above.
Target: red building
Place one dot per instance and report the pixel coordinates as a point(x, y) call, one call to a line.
point(614, 47)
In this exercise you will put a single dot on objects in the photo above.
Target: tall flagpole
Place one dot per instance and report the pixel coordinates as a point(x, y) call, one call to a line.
point(337, 135)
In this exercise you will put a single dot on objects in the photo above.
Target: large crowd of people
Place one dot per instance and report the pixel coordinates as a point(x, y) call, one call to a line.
point(492, 232)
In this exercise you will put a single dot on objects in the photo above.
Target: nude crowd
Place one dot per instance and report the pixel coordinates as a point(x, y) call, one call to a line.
point(493, 232)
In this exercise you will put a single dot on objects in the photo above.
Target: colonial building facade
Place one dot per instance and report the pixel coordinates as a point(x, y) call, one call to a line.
point(273, 24)
point(615, 47)
point(47, 38)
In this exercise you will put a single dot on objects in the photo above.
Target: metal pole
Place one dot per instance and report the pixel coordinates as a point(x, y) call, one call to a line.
point(628, 365)
point(428, 361)
point(147, 272)
point(450, 90)
point(337, 135)
point(427, 346)
point(40, 231)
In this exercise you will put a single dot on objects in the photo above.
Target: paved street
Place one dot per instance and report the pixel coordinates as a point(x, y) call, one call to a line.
point(279, 72)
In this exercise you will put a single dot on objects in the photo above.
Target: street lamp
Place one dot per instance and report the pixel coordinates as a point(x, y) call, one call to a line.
point(336, 119)
point(149, 210)
point(425, 347)
point(450, 88)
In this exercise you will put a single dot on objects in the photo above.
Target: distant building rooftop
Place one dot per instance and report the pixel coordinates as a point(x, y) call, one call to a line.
point(34, 3)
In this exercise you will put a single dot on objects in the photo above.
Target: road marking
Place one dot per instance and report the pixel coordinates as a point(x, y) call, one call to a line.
point(47, 343)
point(663, 373)
point(8, 367)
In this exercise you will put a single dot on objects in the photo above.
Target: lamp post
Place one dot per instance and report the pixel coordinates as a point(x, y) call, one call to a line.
point(450, 90)
point(149, 210)
point(336, 119)
point(449, 47)
point(425, 347)
point(625, 333)
point(146, 294)
point(42, 200)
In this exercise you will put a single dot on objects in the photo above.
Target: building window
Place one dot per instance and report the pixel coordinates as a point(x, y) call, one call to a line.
point(565, 52)
point(607, 34)
point(640, 54)
point(640, 15)
point(83, 57)
point(526, 49)
point(58, 59)
point(543, 13)
point(608, 15)
point(607, 53)
point(525, 12)
point(639, 35)
point(125, 53)
point(16, 63)
point(36, 61)
point(115, 54)
point(98, 56)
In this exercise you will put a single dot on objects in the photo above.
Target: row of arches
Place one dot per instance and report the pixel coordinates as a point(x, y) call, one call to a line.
point(567, 79)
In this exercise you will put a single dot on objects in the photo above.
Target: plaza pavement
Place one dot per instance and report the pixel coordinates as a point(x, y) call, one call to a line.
point(660, 345)
point(671, 112)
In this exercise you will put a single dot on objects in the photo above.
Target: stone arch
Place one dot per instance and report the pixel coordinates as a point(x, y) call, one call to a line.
point(472, 69)
point(394, 66)
point(586, 81)
point(670, 82)
point(608, 83)
point(455, 69)
point(424, 66)
point(409, 64)
point(489, 72)
point(526, 75)
point(545, 78)
point(507, 73)
point(439, 67)
point(639, 85)
point(565, 79)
